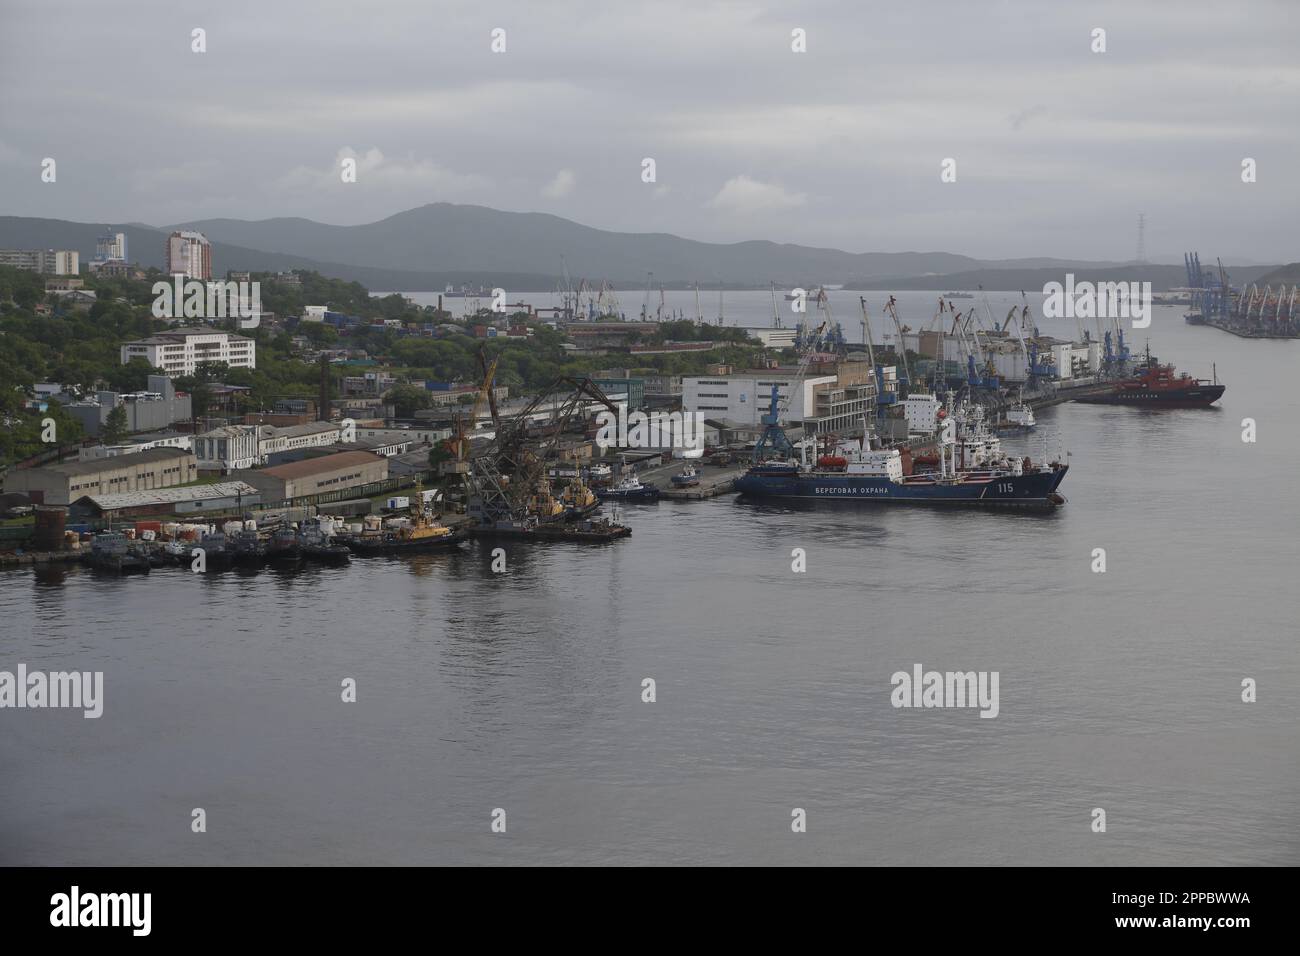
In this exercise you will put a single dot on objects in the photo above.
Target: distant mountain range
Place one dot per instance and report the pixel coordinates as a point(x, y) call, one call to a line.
point(1284, 275)
point(427, 248)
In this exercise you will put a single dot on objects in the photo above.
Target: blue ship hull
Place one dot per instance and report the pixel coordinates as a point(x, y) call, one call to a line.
point(1031, 492)
point(644, 493)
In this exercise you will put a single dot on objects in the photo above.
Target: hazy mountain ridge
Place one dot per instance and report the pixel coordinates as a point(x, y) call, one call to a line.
point(146, 245)
point(449, 237)
point(1287, 275)
point(427, 248)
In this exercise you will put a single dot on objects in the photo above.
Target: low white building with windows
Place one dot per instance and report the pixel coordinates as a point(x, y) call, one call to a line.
point(230, 447)
point(181, 351)
point(234, 447)
point(744, 397)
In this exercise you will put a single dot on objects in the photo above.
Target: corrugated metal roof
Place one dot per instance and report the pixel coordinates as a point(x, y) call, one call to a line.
point(95, 466)
point(326, 464)
point(162, 496)
point(311, 428)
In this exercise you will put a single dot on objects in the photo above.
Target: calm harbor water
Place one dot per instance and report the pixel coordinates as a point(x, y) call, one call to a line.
point(522, 690)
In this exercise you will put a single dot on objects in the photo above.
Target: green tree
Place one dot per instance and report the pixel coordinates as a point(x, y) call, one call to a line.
point(114, 430)
point(131, 377)
point(407, 399)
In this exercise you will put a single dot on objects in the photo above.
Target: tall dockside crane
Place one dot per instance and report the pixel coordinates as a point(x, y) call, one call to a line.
point(884, 398)
point(904, 380)
point(774, 436)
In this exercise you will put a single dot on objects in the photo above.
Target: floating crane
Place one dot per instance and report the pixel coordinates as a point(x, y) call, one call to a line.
point(500, 481)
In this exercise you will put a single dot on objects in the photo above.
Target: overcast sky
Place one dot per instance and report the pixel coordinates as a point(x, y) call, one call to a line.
point(1057, 148)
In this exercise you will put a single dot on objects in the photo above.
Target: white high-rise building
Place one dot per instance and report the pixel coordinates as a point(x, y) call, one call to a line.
point(189, 254)
point(110, 246)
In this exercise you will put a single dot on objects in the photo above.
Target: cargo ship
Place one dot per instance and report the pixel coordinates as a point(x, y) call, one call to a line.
point(863, 473)
point(1157, 386)
point(877, 475)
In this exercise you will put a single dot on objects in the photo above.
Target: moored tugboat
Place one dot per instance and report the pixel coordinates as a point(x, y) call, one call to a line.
point(284, 547)
point(111, 551)
point(578, 500)
point(422, 533)
point(218, 554)
point(315, 544)
point(543, 505)
point(1156, 386)
point(247, 549)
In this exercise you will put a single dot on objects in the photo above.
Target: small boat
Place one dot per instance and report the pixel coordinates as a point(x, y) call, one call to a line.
point(111, 551)
point(687, 477)
point(578, 500)
point(1017, 418)
point(630, 488)
point(284, 547)
point(247, 549)
point(217, 553)
point(316, 544)
point(176, 552)
point(422, 533)
point(543, 504)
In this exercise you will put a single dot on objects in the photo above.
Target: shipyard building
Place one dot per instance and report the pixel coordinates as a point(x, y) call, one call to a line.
point(63, 484)
point(315, 476)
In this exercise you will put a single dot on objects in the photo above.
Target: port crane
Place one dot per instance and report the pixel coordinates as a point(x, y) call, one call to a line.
point(645, 302)
point(884, 398)
point(774, 436)
point(1037, 371)
point(969, 340)
point(904, 380)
